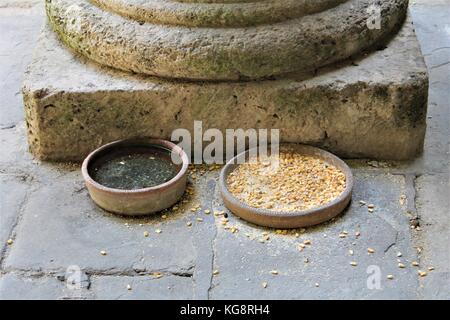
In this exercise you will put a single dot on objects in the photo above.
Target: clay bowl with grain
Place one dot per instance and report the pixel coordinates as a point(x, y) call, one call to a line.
point(288, 219)
point(140, 201)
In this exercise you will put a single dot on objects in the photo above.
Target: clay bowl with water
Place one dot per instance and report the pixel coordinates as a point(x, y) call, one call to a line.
point(295, 219)
point(136, 177)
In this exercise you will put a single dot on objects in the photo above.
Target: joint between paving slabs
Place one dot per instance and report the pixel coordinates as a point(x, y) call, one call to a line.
point(417, 237)
point(213, 263)
point(216, 201)
point(412, 194)
point(411, 197)
point(415, 220)
point(412, 212)
point(204, 264)
point(59, 274)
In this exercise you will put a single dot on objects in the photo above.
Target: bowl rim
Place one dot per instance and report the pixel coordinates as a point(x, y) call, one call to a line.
point(344, 196)
point(129, 143)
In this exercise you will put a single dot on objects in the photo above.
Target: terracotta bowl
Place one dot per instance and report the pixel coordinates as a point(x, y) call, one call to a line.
point(139, 201)
point(288, 220)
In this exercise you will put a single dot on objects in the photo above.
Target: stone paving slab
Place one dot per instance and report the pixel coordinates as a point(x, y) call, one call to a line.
point(17, 159)
point(71, 230)
point(63, 183)
point(143, 287)
point(11, 204)
point(242, 261)
point(76, 237)
point(436, 286)
point(20, 29)
point(245, 263)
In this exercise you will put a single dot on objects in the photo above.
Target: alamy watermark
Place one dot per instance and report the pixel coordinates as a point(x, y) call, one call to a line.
point(374, 278)
point(374, 20)
point(214, 146)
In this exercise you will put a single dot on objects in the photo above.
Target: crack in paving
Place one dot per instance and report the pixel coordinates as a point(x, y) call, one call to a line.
point(38, 273)
point(419, 239)
point(435, 50)
point(204, 243)
point(439, 65)
point(213, 245)
point(213, 262)
point(87, 283)
point(411, 194)
point(5, 249)
point(393, 243)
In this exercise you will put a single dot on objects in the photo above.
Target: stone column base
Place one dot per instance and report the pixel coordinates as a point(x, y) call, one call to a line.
point(371, 107)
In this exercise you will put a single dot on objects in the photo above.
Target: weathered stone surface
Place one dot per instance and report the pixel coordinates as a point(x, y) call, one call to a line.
point(245, 263)
point(223, 53)
point(219, 14)
point(374, 107)
point(142, 288)
point(431, 24)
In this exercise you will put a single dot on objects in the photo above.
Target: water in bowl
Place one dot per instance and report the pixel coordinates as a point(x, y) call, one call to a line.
point(137, 170)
